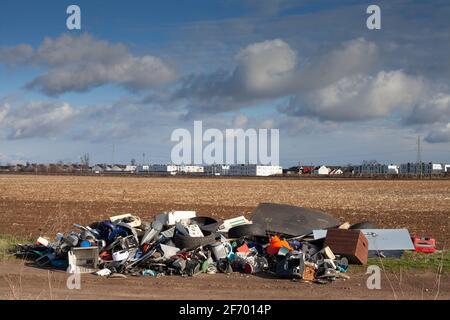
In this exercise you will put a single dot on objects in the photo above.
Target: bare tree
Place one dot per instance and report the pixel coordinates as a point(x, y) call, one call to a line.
point(85, 160)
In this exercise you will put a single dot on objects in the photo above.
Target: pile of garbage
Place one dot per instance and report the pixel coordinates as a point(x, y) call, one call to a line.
point(181, 243)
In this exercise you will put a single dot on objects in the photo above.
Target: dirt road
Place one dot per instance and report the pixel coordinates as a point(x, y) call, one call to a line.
point(18, 281)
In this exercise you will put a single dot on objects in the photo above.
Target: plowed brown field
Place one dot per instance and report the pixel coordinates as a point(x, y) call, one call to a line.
point(33, 204)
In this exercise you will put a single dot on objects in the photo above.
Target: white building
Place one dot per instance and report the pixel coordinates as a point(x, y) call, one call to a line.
point(322, 170)
point(190, 169)
point(434, 168)
point(98, 168)
point(216, 169)
point(447, 168)
point(130, 168)
point(254, 170)
point(143, 168)
point(115, 168)
point(393, 169)
point(337, 171)
point(157, 168)
point(163, 168)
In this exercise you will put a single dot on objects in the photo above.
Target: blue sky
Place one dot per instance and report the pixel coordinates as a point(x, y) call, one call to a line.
point(338, 92)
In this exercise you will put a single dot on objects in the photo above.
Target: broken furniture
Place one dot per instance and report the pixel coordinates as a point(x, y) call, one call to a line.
point(351, 244)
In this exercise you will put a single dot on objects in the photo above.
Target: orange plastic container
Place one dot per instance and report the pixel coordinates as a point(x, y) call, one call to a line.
point(424, 244)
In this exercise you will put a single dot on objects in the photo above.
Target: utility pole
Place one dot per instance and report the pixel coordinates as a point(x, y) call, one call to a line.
point(419, 156)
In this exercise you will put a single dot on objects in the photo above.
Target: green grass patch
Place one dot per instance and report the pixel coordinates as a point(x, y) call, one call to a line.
point(412, 260)
point(8, 244)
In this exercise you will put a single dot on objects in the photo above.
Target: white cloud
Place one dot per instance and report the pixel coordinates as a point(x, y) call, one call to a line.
point(15, 55)
point(80, 63)
point(271, 69)
point(360, 97)
point(439, 134)
point(435, 109)
point(39, 119)
point(351, 57)
point(265, 66)
point(4, 109)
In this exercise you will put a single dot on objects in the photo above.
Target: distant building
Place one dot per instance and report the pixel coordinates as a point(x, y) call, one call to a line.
point(306, 170)
point(292, 171)
point(322, 170)
point(190, 169)
point(254, 170)
point(337, 171)
point(371, 168)
point(421, 168)
point(143, 168)
point(157, 168)
point(130, 169)
point(393, 169)
point(216, 169)
point(6, 168)
point(98, 168)
point(163, 168)
point(115, 168)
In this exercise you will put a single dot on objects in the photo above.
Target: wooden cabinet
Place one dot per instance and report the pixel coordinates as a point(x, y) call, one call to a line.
point(351, 244)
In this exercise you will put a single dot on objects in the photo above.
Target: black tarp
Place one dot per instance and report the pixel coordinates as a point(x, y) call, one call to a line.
point(291, 220)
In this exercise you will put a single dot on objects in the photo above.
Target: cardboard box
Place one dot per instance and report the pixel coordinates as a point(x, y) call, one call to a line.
point(309, 272)
point(351, 244)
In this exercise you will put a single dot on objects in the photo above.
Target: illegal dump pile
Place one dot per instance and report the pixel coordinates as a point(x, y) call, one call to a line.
point(282, 240)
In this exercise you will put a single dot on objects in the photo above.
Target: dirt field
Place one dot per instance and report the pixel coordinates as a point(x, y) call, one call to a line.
point(33, 205)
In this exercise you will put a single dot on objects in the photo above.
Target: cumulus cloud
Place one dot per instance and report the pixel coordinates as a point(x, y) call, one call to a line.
point(262, 70)
point(406, 100)
point(272, 69)
point(38, 119)
point(80, 63)
point(435, 109)
point(350, 57)
point(16, 55)
point(359, 97)
point(439, 135)
point(265, 67)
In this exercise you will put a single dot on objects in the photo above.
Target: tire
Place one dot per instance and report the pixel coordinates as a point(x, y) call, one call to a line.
point(207, 223)
point(364, 225)
point(190, 243)
point(247, 230)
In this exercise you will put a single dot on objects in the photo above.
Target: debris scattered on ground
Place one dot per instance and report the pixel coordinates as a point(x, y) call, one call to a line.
point(180, 243)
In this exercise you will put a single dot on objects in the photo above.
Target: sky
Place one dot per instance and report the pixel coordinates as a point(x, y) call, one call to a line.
point(338, 92)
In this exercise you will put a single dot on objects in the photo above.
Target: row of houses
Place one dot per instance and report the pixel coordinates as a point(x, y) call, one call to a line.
point(216, 169)
point(46, 168)
point(369, 168)
point(319, 170)
point(424, 168)
point(372, 168)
